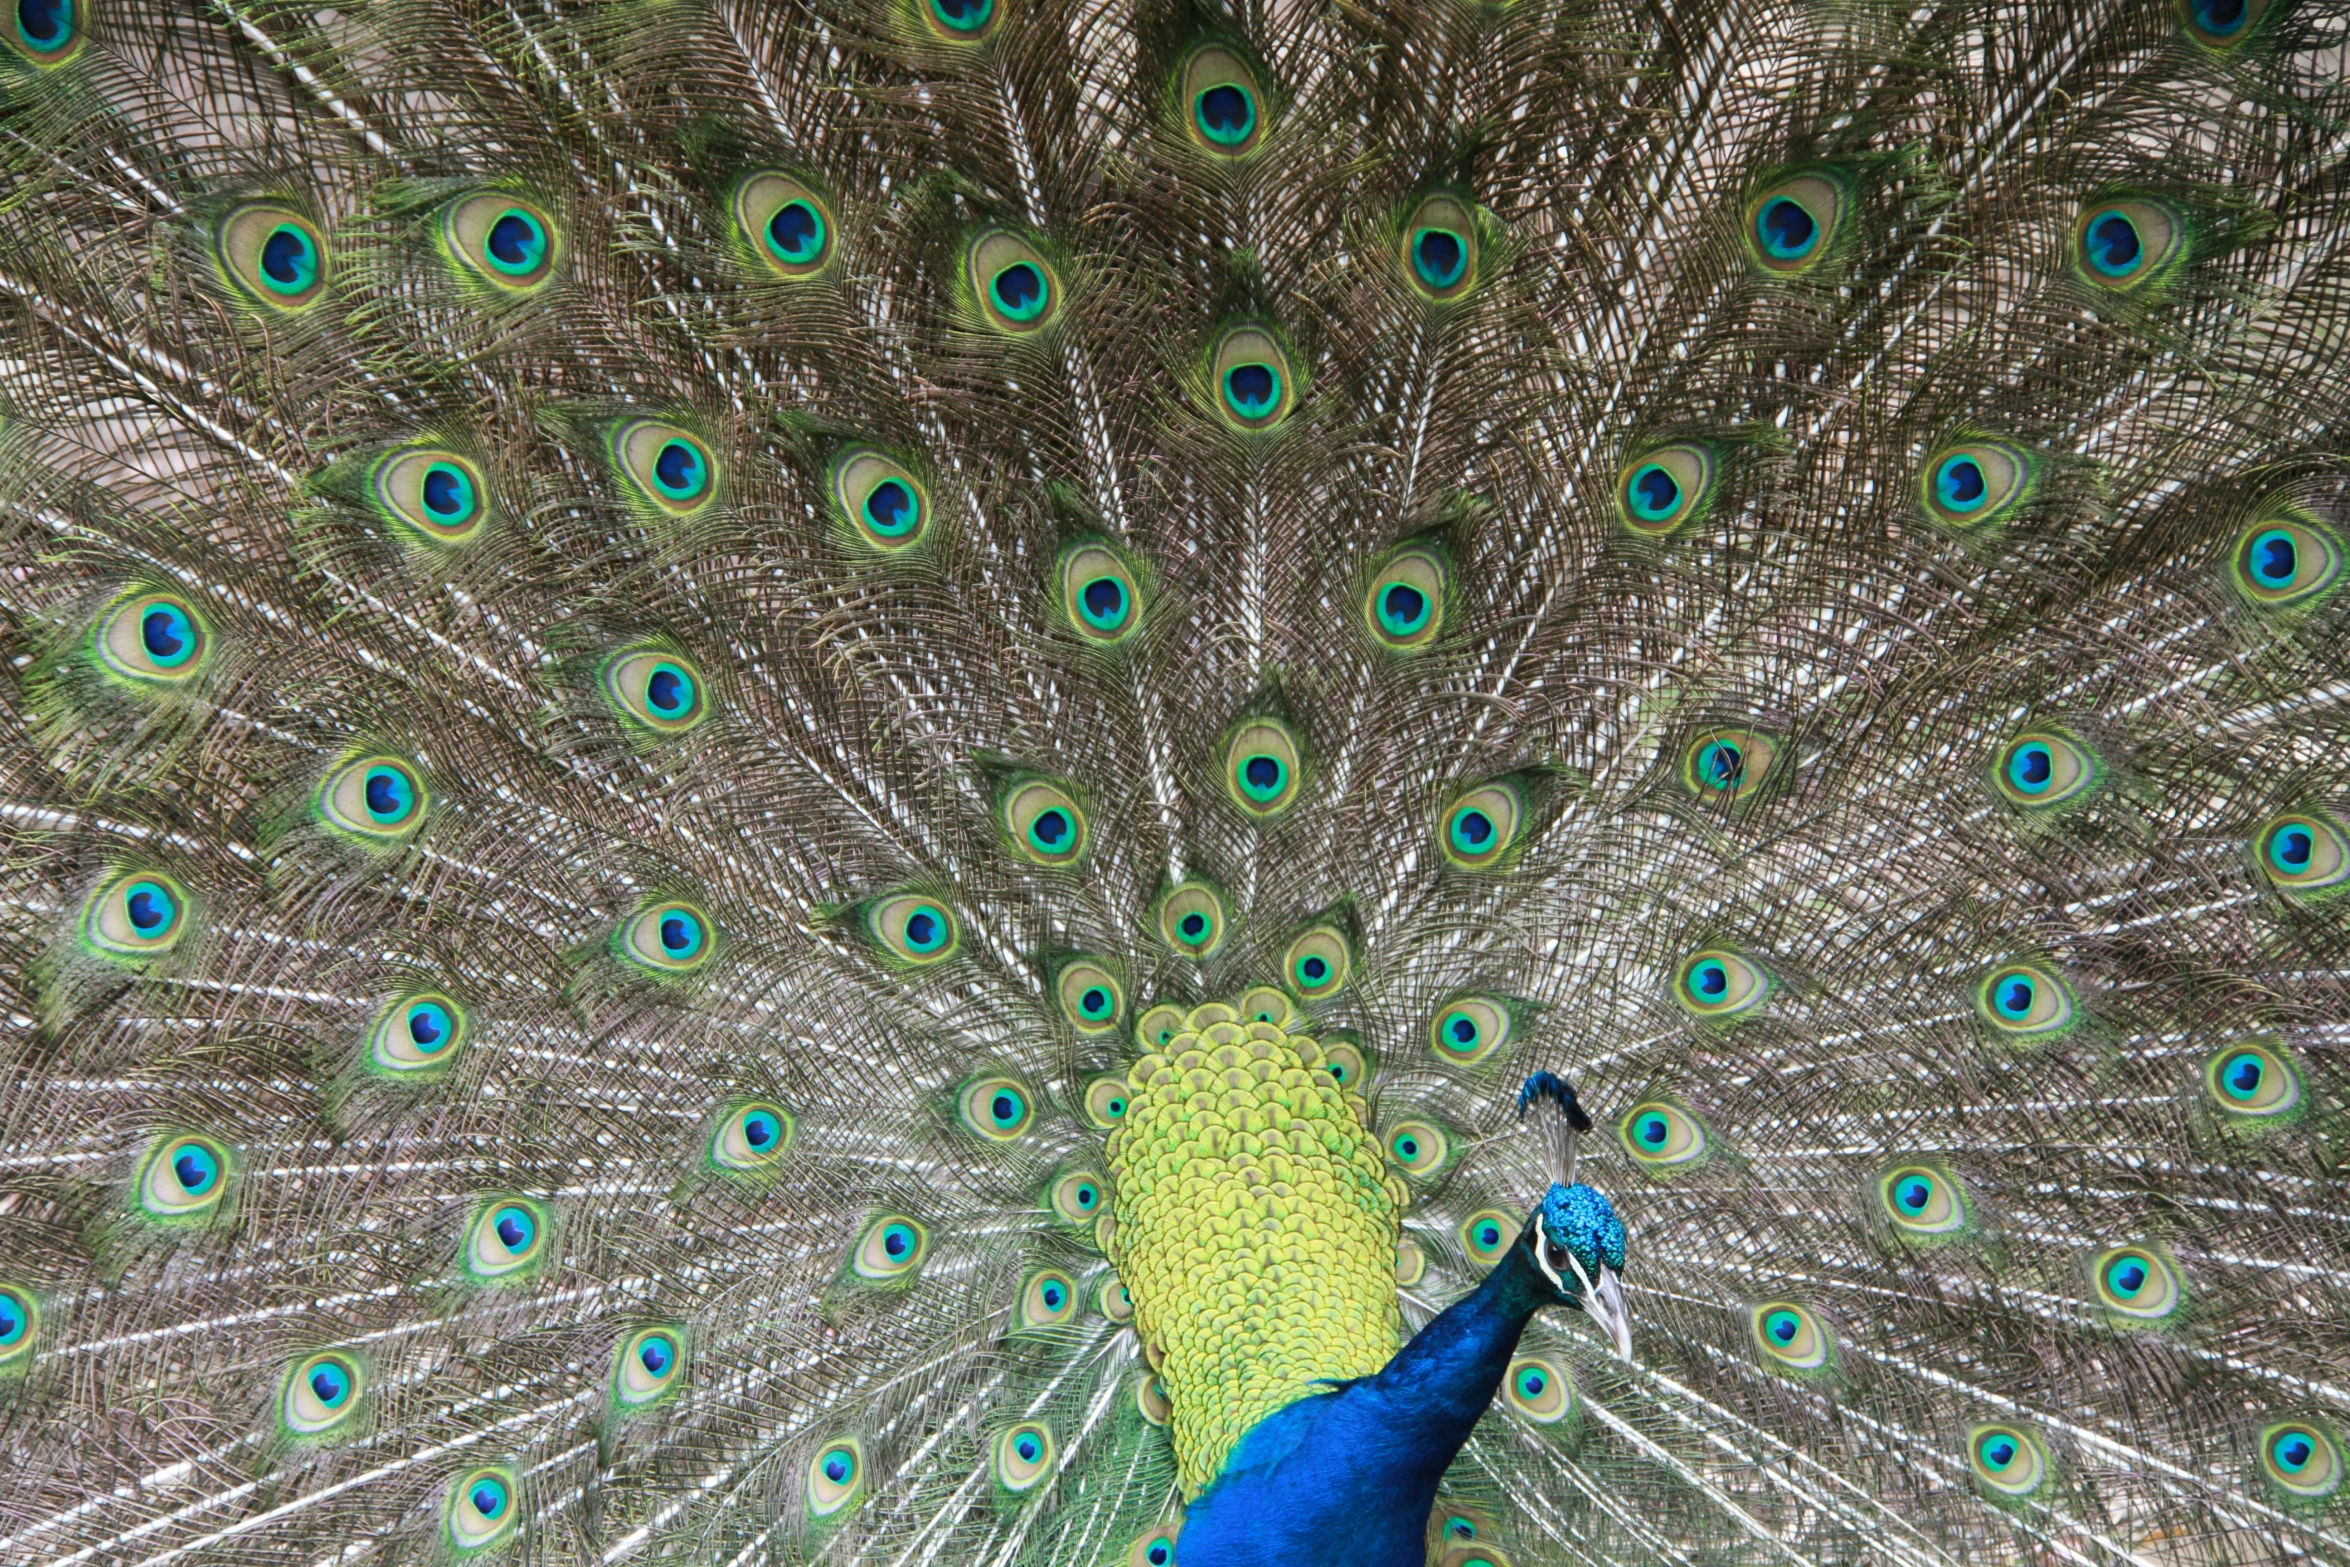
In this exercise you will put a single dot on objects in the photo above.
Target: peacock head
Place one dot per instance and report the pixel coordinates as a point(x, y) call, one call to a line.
point(1575, 1239)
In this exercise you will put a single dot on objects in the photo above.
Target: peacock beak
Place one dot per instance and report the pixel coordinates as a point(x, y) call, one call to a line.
point(1605, 1302)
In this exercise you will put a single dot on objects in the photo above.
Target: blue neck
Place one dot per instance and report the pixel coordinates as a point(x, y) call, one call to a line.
point(1349, 1477)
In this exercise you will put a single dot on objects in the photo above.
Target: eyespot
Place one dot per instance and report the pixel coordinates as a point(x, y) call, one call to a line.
point(480, 1513)
point(1105, 1102)
point(1977, 484)
point(1115, 1301)
point(2301, 1459)
point(1047, 1300)
point(1191, 919)
point(914, 929)
point(2135, 1284)
point(47, 32)
point(2025, 1001)
point(435, 495)
point(647, 1366)
point(2124, 244)
point(1344, 1060)
point(2043, 767)
point(1790, 224)
point(997, 1108)
point(1100, 593)
point(1923, 1202)
point(1255, 383)
point(664, 466)
point(1440, 249)
point(1152, 1400)
point(1661, 1135)
point(667, 938)
point(418, 1034)
point(1267, 1004)
point(1044, 823)
point(136, 914)
point(1019, 291)
point(2303, 853)
point(1092, 998)
point(1486, 1235)
point(2007, 1459)
point(752, 1136)
point(1469, 1029)
point(1262, 759)
point(1538, 1389)
point(507, 1240)
point(1024, 1456)
point(504, 240)
point(375, 800)
point(1728, 764)
point(960, 21)
point(1663, 490)
point(184, 1178)
point(892, 1247)
point(884, 504)
point(1155, 1549)
point(1158, 1025)
point(2286, 561)
point(1418, 1148)
point(20, 1325)
point(1478, 830)
point(2221, 24)
point(1791, 1337)
point(1404, 607)
point(2253, 1079)
point(1716, 984)
point(1318, 962)
point(836, 1478)
point(785, 223)
point(656, 690)
point(154, 639)
point(274, 254)
point(1224, 105)
point(1079, 1197)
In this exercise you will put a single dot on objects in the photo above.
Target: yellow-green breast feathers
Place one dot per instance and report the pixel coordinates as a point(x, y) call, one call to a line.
point(1256, 1227)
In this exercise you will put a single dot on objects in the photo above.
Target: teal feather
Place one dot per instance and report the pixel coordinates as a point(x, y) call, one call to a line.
point(1935, 878)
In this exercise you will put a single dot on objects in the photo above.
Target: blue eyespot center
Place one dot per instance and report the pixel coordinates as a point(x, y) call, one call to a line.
point(1027, 1447)
point(14, 1317)
point(515, 1229)
point(2031, 768)
point(2290, 847)
point(1782, 1326)
point(1005, 1108)
point(488, 1498)
point(837, 1468)
point(796, 231)
point(1959, 484)
point(2113, 244)
point(1998, 1451)
point(1226, 113)
point(2222, 18)
point(1912, 1194)
point(288, 260)
point(1051, 829)
point(679, 471)
point(1403, 609)
point(1193, 926)
point(925, 930)
point(47, 25)
point(1252, 389)
point(1653, 492)
point(1052, 1296)
point(1473, 828)
point(329, 1383)
point(1532, 1383)
point(1262, 776)
point(516, 242)
point(891, 508)
point(2241, 1075)
point(964, 16)
point(2293, 1450)
point(1721, 764)
point(1652, 1130)
point(1786, 229)
point(167, 634)
point(1095, 1002)
point(448, 494)
point(657, 1354)
point(150, 908)
point(390, 793)
point(680, 934)
point(195, 1169)
point(1710, 979)
point(1462, 1029)
point(1407, 1148)
point(1159, 1555)
point(1020, 291)
point(1103, 601)
point(1439, 257)
point(897, 1240)
point(1313, 970)
point(670, 691)
point(428, 1026)
point(2274, 559)
point(760, 1130)
point(2126, 1276)
point(1488, 1235)
point(2015, 997)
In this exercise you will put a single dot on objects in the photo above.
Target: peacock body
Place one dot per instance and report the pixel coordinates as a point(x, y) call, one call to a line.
point(1018, 782)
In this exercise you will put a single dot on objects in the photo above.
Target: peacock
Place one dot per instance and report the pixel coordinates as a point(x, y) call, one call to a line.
point(1178, 783)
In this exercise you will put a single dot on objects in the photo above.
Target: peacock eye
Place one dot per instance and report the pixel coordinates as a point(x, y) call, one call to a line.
point(1665, 489)
point(2303, 854)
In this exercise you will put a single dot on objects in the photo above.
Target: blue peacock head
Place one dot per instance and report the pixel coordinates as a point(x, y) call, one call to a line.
point(1575, 1239)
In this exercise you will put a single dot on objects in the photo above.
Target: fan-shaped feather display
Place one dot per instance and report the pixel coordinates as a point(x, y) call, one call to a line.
point(1047, 784)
